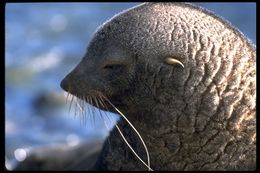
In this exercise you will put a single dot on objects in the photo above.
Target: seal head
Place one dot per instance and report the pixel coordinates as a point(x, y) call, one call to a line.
point(184, 77)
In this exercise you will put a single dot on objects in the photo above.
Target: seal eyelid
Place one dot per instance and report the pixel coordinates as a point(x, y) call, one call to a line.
point(113, 66)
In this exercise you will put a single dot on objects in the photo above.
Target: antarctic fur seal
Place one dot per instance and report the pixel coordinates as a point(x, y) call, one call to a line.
point(185, 78)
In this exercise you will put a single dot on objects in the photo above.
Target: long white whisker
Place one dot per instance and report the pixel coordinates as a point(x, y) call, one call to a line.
point(78, 104)
point(99, 101)
point(147, 153)
point(148, 166)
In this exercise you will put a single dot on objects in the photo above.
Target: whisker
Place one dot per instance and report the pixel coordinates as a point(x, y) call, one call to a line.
point(106, 108)
point(99, 98)
point(79, 110)
point(102, 118)
point(88, 108)
point(92, 111)
point(71, 102)
point(83, 107)
point(75, 107)
point(78, 104)
point(109, 120)
point(109, 143)
point(148, 166)
point(96, 99)
point(99, 101)
point(147, 153)
point(67, 95)
point(96, 102)
point(82, 103)
point(104, 112)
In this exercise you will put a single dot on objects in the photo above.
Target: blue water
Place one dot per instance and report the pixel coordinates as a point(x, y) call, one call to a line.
point(44, 41)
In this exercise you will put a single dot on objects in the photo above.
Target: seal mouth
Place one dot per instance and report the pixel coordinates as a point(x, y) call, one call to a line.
point(106, 106)
point(98, 100)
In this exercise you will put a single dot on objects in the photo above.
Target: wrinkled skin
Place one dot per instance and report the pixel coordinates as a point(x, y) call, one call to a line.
point(200, 117)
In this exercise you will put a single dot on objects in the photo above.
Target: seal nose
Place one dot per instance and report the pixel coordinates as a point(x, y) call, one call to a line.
point(64, 84)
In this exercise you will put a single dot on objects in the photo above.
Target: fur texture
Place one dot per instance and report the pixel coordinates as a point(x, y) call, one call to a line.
point(200, 117)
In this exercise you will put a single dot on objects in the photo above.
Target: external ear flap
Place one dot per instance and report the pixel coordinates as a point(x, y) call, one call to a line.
point(172, 61)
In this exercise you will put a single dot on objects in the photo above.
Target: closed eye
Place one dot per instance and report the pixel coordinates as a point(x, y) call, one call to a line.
point(113, 67)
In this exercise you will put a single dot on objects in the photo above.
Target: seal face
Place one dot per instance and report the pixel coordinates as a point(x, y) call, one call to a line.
point(195, 110)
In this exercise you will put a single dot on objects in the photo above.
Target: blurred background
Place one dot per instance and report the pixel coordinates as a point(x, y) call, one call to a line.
point(43, 43)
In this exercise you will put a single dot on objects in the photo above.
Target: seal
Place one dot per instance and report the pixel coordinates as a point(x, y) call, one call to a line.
point(184, 78)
